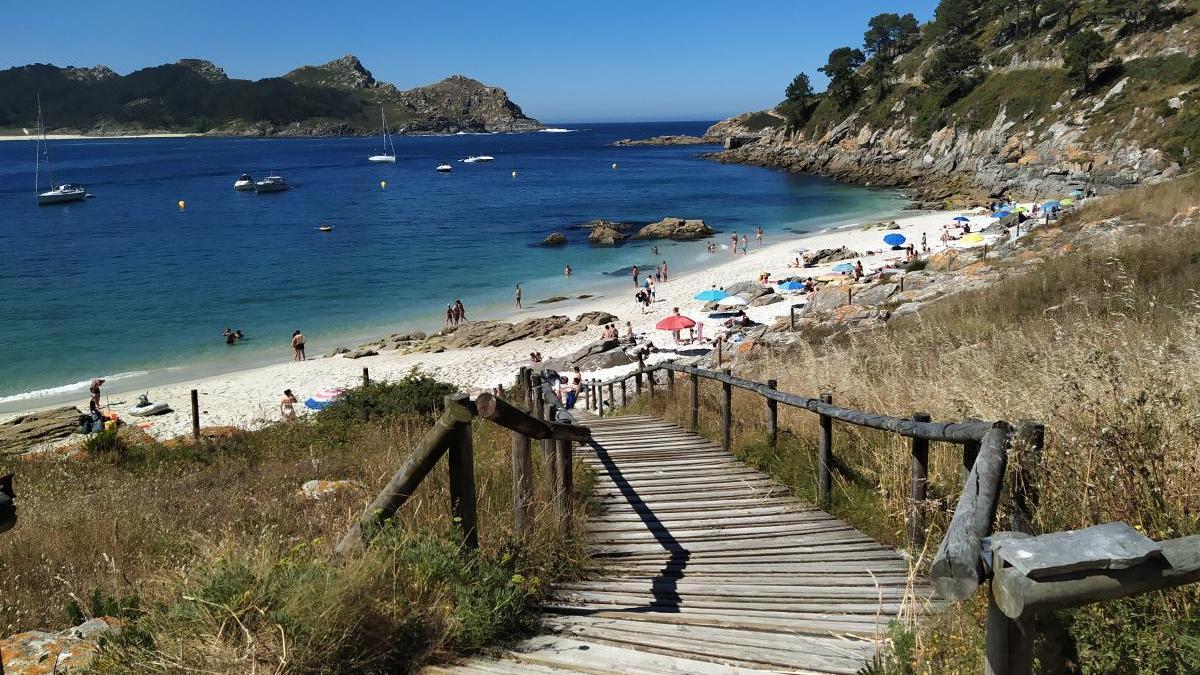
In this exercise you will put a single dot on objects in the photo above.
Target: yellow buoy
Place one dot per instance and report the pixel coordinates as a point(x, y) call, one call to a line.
point(514, 174)
point(383, 184)
point(182, 204)
point(614, 165)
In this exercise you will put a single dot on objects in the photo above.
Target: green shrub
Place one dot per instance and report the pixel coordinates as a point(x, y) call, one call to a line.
point(106, 442)
point(102, 604)
point(415, 394)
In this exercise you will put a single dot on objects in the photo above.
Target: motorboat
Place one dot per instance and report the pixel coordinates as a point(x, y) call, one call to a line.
point(63, 193)
point(326, 228)
point(271, 183)
point(477, 158)
point(57, 194)
point(444, 168)
point(244, 182)
point(389, 151)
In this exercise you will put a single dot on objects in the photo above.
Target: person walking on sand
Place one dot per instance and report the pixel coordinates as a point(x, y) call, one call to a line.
point(734, 238)
point(758, 233)
point(298, 346)
point(287, 405)
point(517, 297)
point(650, 287)
point(745, 245)
point(95, 390)
point(635, 276)
point(449, 315)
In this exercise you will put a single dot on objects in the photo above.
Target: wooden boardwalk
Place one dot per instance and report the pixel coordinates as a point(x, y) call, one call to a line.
point(708, 566)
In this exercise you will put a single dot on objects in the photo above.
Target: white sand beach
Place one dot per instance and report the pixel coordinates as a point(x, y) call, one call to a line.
point(249, 398)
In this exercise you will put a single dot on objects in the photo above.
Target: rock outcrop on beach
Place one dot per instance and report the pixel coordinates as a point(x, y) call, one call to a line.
point(340, 97)
point(679, 229)
point(597, 356)
point(1016, 122)
point(555, 239)
point(681, 139)
point(19, 433)
point(606, 232)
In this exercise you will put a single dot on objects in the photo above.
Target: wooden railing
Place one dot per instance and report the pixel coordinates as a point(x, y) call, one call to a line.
point(451, 436)
point(1027, 573)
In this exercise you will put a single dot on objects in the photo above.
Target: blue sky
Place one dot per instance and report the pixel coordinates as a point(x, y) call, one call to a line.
point(561, 61)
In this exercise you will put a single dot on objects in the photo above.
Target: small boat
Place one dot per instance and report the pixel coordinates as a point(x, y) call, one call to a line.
point(477, 158)
point(244, 182)
point(271, 183)
point(144, 407)
point(444, 168)
point(389, 150)
point(326, 228)
point(57, 194)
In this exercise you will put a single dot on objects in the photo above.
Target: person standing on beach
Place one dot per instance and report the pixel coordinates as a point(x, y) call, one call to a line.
point(517, 297)
point(650, 287)
point(95, 390)
point(460, 312)
point(664, 270)
point(449, 315)
point(735, 242)
point(759, 234)
point(924, 243)
point(287, 405)
point(635, 276)
point(298, 346)
point(745, 245)
point(858, 270)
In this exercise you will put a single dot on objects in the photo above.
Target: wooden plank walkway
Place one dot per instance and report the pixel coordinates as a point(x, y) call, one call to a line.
point(708, 566)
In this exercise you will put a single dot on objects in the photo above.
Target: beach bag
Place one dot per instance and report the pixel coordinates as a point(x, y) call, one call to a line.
point(571, 395)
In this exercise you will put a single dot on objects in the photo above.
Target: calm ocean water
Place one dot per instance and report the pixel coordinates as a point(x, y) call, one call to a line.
point(129, 283)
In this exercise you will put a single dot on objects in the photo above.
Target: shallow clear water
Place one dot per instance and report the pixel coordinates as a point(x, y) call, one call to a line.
point(128, 282)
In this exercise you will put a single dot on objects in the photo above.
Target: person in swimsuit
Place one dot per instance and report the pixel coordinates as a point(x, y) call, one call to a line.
point(567, 270)
point(287, 405)
point(298, 346)
point(734, 238)
point(759, 234)
point(517, 297)
point(635, 276)
point(95, 389)
point(460, 312)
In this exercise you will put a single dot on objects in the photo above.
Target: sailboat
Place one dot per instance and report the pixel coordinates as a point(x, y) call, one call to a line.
point(387, 142)
point(57, 194)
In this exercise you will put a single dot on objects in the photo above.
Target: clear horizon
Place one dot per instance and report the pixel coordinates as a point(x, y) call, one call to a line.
point(625, 62)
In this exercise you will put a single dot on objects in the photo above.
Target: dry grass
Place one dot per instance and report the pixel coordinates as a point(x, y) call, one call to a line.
point(1101, 345)
point(228, 562)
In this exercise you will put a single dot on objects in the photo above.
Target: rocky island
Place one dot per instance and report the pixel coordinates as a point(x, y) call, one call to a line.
point(339, 98)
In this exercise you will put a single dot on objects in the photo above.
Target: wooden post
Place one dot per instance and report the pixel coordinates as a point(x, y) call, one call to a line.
point(522, 477)
point(195, 414)
point(792, 316)
point(548, 449)
point(598, 395)
point(637, 380)
point(1028, 440)
point(461, 462)
point(566, 479)
point(366, 377)
point(670, 383)
point(1009, 642)
point(624, 396)
point(612, 400)
point(527, 382)
point(695, 377)
point(535, 397)
point(650, 381)
point(970, 452)
point(726, 413)
point(850, 295)
point(902, 282)
point(825, 459)
point(918, 490)
point(584, 397)
point(772, 417)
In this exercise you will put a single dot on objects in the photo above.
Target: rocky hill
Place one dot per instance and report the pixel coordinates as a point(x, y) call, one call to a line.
point(192, 95)
point(996, 97)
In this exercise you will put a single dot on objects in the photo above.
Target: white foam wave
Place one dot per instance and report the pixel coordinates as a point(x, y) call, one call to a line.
point(556, 130)
point(80, 386)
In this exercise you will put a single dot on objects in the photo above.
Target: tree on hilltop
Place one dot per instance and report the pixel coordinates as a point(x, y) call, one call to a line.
point(890, 35)
point(1082, 51)
point(841, 68)
point(954, 69)
point(955, 17)
point(800, 90)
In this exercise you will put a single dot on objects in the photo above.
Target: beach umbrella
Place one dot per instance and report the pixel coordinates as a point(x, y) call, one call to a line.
point(675, 322)
point(894, 239)
point(1052, 204)
point(1068, 202)
point(843, 267)
point(1076, 193)
point(791, 286)
point(732, 301)
point(962, 219)
point(711, 295)
point(323, 399)
point(973, 238)
point(1021, 209)
point(1002, 214)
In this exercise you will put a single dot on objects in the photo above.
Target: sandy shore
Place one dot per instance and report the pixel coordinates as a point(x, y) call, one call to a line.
point(249, 398)
point(80, 137)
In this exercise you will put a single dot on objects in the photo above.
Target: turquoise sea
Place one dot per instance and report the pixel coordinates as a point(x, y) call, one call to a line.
point(129, 286)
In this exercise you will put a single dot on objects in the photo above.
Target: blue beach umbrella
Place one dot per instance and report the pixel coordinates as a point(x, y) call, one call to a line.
point(1052, 204)
point(711, 295)
point(894, 239)
point(323, 399)
point(843, 267)
point(1076, 193)
point(962, 219)
point(1002, 214)
point(791, 286)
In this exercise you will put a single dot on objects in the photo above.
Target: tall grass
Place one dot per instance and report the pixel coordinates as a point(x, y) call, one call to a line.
point(1102, 344)
point(227, 564)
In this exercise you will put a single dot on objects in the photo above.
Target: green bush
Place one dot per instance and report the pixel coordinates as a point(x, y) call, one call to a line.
point(101, 604)
point(106, 442)
point(415, 394)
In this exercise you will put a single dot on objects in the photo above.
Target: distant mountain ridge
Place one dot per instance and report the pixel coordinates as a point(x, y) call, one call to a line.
point(338, 98)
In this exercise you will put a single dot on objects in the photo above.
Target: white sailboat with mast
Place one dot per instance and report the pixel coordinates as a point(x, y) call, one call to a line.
point(57, 194)
point(389, 150)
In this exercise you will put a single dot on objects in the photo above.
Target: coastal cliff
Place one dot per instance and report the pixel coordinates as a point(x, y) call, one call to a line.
point(338, 98)
point(1015, 118)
